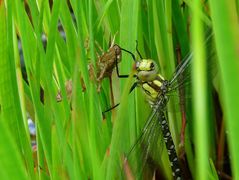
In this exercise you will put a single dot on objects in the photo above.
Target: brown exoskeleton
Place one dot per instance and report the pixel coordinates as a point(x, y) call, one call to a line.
point(106, 64)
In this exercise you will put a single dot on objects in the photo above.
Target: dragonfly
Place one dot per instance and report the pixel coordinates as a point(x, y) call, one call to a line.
point(157, 91)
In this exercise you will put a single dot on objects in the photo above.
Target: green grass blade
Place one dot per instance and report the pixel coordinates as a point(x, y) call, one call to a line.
point(224, 17)
point(118, 142)
point(128, 37)
point(12, 165)
point(200, 96)
point(14, 132)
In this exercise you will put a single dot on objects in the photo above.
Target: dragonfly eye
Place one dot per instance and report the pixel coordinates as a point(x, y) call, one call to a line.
point(152, 66)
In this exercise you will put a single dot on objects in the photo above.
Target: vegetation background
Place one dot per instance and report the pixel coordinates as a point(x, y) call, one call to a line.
point(74, 140)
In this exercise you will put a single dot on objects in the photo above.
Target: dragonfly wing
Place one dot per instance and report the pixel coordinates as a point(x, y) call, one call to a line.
point(141, 158)
point(182, 72)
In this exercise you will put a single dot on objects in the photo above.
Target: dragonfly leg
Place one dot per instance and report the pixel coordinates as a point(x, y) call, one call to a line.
point(133, 86)
point(117, 71)
point(133, 56)
point(138, 50)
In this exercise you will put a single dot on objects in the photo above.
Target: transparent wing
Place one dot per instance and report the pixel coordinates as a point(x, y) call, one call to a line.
point(182, 68)
point(141, 157)
point(182, 74)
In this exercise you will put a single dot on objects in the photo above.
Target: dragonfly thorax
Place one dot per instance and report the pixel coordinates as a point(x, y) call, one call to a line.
point(154, 89)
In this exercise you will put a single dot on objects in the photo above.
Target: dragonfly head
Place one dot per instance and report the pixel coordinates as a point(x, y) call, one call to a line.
point(147, 69)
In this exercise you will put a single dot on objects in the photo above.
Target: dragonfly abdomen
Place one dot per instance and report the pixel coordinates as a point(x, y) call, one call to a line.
point(173, 158)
